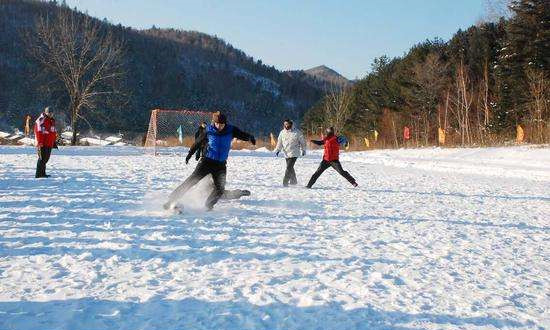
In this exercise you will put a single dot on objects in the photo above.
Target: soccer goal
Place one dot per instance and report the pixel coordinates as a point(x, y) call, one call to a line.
point(172, 128)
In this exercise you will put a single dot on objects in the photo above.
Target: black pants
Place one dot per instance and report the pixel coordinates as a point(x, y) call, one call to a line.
point(234, 194)
point(204, 167)
point(43, 157)
point(290, 174)
point(335, 165)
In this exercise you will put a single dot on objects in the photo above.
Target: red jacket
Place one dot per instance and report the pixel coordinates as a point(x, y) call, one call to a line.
point(332, 149)
point(44, 131)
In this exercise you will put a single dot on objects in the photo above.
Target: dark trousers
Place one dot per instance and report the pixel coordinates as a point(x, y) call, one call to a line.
point(43, 157)
point(335, 164)
point(234, 194)
point(204, 167)
point(290, 174)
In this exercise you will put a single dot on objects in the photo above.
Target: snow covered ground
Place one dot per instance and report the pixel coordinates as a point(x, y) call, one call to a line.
point(431, 239)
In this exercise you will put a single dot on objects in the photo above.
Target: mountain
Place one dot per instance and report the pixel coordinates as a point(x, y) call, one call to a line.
point(328, 76)
point(165, 68)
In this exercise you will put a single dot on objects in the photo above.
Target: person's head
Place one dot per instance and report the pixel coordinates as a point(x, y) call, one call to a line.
point(287, 124)
point(48, 112)
point(219, 120)
point(329, 131)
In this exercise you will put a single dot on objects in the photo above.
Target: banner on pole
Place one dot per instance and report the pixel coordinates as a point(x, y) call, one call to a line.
point(406, 133)
point(441, 136)
point(180, 134)
point(519, 134)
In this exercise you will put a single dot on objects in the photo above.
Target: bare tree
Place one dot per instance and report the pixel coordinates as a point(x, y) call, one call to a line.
point(462, 102)
point(539, 90)
point(337, 108)
point(430, 78)
point(485, 98)
point(85, 59)
point(495, 9)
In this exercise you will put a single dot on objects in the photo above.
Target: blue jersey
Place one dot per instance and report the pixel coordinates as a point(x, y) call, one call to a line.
point(218, 142)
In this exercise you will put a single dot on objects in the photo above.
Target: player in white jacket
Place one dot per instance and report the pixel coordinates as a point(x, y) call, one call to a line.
point(291, 141)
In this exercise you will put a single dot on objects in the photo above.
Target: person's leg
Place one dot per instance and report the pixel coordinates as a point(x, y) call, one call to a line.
point(218, 176)
point(234, 194)
point(40, 166)
point(290, 167)
point(338, 167)
point(288, 171)
point(322, 167)
point(47, 153)
point(200, 172)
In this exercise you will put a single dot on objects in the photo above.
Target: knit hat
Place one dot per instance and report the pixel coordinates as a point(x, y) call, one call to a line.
point(47, 110)
point(218, 117)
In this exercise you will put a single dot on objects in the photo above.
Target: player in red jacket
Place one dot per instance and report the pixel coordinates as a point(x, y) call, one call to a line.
point(45, 136)
point(330, 158)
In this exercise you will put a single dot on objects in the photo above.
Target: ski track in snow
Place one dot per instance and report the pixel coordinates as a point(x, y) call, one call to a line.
point(431, 239)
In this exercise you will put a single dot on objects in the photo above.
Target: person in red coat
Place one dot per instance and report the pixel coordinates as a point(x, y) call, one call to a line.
point(45, 136)
point(330, 158)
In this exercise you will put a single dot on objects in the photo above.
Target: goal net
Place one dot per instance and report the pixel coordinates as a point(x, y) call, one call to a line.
point(171, 128)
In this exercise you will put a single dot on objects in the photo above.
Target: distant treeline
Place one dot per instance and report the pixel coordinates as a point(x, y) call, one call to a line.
point(476, 88)
point(164, 68)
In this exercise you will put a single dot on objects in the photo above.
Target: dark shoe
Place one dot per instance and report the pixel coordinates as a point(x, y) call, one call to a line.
point(308, 187)
point(245, 192)
point(46, 176)
point(354, 185)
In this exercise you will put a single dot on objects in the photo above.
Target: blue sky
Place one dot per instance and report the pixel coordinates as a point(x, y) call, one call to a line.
point(344, 35)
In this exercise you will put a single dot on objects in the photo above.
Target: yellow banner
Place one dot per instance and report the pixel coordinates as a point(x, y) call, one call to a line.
point(519, 134)
point(272, 138)
point(441, 136)
point(367, 144)
point(375, 135)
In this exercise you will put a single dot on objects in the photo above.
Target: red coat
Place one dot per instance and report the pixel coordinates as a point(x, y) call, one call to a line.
point(44, 131)
point(332, 148)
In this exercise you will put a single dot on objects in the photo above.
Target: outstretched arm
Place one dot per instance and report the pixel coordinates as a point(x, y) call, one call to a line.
point(195, 146)
point(237, 133)
point(319, 143)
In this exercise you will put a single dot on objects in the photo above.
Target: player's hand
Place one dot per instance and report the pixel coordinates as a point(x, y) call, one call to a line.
point(253, 140)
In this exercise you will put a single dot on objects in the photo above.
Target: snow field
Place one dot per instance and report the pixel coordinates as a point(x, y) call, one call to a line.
point(431, 239)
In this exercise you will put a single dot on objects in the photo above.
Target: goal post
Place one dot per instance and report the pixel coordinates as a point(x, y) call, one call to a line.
point(171, 128)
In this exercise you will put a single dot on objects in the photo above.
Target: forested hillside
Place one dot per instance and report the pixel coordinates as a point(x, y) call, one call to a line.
point(163, 68)
point(476, 87)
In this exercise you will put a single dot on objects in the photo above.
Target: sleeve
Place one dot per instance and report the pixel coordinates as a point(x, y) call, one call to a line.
point(237, 133)
point(196, 145)
point(53, 131)
point(319, 143)
point(279, 143)
point(39, 130)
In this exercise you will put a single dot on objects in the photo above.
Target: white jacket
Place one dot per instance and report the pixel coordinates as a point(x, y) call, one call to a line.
point(291, 142)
